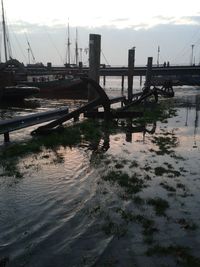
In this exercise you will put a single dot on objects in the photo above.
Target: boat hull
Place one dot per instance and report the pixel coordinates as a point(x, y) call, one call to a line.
point(17, 92)
point(63, 88)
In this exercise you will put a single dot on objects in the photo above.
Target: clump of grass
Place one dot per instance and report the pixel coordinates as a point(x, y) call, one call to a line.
point(148, 225)
point(147, 177)
point(131, 184)
point(168, 187)
point(147, 167)
point(119, 166)
point(181, 186)
point(160, 205)
point(138, 200)
point(112, 228)
point(159, 171)
point(168, 165)
point(134, 164)
point(182, 255)
point(165, 144)
point(187, 225)
point(126, 215)
point(154, 112)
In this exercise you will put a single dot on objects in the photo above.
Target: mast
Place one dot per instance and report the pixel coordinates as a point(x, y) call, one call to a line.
point(30, 51)
point(76, 47)
point(68, 44)
point(4, 32)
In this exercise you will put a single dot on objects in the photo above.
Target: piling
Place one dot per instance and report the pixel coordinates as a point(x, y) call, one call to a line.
point(131, 62)
point(122, 84)
point(104, 80)
point(149, 72)
point(140, 81)
point(94, 62)
point(6, 137)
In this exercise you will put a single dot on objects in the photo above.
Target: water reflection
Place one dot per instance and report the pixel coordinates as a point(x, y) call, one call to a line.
point(131, 129)
point(189, 107)
point(48, 218)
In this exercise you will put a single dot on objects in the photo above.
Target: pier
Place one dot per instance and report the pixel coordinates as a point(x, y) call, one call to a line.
point(186, 74)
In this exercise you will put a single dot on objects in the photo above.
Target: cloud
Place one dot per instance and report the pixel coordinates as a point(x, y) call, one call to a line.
point(120, 20)
point(49, 42)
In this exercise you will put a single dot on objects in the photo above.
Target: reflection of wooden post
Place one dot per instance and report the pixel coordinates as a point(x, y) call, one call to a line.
point(129, 131)
point(148, 73)
point(140, 81)
point(131, 62)
point(104, 80)
point(6, 137)
point(104, 76)
point(122, 83)
point(94, 62)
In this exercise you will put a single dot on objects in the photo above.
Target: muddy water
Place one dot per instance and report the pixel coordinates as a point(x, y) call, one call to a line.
point(63, 212)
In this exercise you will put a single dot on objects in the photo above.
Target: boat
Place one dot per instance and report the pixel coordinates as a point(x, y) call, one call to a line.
point(14, 76)
point(59, 85)
point(17, 92)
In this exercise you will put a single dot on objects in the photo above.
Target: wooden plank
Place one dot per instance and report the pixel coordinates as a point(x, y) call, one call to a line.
point(21, 122)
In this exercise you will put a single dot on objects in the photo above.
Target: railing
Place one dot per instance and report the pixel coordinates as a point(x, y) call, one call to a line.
point(7, 126)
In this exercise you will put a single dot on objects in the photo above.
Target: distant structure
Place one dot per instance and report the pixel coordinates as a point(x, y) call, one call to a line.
point(158, 56)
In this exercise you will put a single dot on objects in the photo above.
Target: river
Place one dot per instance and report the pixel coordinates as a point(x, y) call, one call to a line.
point(64, 212)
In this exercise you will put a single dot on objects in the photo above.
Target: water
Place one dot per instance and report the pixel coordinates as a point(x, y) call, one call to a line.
point(63, 213)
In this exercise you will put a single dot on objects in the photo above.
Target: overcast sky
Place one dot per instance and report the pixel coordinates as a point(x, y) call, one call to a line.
point(173, 25)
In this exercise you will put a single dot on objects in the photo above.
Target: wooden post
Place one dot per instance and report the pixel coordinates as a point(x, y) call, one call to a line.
point(6, 137)
point(131, 62)
point(122, 83)
point(94, 62)
point(129, 132)
point(149, 73)
point(104, 80)
point(140, 81)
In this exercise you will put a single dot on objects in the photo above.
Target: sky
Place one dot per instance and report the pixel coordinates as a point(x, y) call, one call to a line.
point(173, 25)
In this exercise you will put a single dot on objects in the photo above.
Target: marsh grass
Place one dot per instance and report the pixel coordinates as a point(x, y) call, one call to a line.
point(168, 187)
point(181, 254)
point(147, 224)
point(159, 171)
point(155, 111)
point(160, 205)
point(69, 136)
point(166, 144)
point(131, 184)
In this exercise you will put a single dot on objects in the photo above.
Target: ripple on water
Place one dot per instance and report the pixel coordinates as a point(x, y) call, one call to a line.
point(45, 209)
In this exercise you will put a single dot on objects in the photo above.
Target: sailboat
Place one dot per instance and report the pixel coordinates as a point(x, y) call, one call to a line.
point(8, 89)
point(37, 78)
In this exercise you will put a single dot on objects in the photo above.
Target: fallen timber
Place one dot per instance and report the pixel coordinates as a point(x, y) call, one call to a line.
point(91, 109)
point(101, 100)
point(148, 91)
point(7, 126)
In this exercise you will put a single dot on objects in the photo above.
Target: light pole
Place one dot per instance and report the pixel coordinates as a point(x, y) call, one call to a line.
point(192, 46)
point(158, 56)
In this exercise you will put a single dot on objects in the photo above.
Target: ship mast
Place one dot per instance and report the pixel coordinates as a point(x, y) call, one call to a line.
point(76, 47)
point(4, 32)
point(68, 44)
